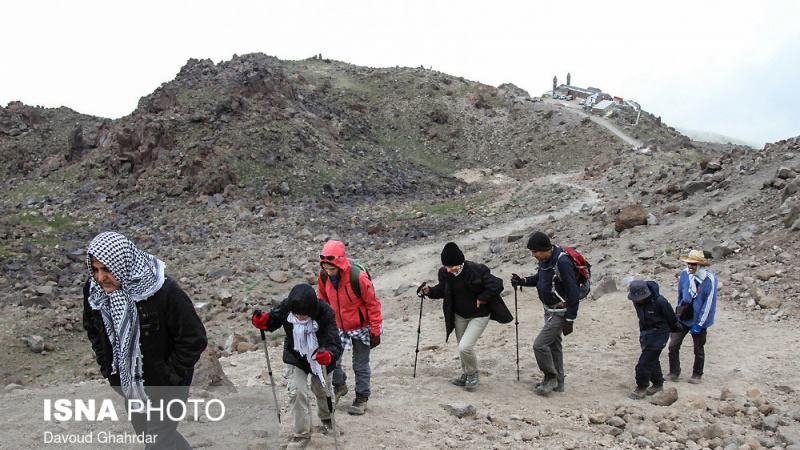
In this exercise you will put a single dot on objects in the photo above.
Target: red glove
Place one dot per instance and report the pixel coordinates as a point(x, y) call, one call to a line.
point(324, 357)
point(260, 320)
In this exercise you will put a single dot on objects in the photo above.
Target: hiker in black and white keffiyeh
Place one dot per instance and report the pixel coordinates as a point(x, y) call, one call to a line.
point(140, 276)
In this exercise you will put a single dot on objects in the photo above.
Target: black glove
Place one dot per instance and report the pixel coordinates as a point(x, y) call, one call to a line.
point(516, 280)
point(678, 328)
point(567, 328)
point(374, 340)
point(419, 289)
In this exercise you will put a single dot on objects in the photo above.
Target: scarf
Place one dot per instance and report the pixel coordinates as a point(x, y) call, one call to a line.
point(304, 333)
point(140, 276)
point(696, 279)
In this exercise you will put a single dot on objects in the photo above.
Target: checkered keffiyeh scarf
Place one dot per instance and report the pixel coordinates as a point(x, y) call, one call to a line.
point(140, 276)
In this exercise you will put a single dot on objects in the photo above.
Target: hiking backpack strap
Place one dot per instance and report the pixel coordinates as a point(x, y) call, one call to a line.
point(355, 271)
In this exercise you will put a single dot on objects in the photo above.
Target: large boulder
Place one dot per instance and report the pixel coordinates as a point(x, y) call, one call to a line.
point(208, 370)
point(629, 217)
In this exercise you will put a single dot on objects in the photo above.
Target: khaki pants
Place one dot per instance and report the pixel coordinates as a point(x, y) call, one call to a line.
point(299, 395)
point(467, 332)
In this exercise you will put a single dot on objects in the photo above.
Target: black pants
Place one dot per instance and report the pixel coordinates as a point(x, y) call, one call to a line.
point(648, 369)
point(163, 430)
point(699, 340)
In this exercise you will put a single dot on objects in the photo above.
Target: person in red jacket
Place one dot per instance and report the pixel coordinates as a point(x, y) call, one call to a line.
point(358, 317)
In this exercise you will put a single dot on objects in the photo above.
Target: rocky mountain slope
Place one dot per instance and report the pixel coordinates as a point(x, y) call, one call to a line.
point(236, 173)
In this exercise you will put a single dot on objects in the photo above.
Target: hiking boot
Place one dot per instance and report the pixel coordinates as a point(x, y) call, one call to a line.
point(694, 380)
point(674, 377)
point(654, 389)
point(298, 443)
point(460, 380)
point(638, 394)
point(472, 382)
point(559, 387)
point(339, 391)
point(327, 427)
point(359, 405)
point(547, 386)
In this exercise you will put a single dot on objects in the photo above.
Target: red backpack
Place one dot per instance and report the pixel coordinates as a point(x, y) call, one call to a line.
point(583, 271)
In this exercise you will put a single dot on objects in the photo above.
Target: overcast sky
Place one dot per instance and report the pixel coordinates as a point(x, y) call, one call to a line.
point(730, 67)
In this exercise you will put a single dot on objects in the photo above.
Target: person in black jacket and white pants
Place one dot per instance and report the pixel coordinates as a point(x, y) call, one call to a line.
point(144, 331)
point(469, 291)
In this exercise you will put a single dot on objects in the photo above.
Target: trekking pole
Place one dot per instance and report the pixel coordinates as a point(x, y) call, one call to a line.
point(516, 327)
point(257, 313)
point(331, 402)
point(419, 325)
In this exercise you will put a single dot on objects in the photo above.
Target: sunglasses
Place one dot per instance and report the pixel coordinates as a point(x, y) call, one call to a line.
point(691, 264)
point(328, 257)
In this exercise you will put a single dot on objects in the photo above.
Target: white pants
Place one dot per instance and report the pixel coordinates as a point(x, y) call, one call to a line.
point(467, 332)
point(299, 395)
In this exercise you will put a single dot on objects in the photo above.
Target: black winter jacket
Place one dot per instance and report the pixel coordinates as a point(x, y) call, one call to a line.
point(172, 337)
point(480, 283)
point(656, 313)
point(327, 333)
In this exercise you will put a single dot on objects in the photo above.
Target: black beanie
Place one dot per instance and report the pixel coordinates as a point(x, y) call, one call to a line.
point(539, 242)
point(452, 255)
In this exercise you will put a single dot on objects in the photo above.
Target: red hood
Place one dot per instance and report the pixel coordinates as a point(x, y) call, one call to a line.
point(336, 248)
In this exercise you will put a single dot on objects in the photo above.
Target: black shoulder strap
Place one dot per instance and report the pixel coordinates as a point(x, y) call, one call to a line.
point(355, 271)
point(354, 284)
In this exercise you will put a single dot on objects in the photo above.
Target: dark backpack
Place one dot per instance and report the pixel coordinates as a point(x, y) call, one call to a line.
point(583, 271)
point(355, 269)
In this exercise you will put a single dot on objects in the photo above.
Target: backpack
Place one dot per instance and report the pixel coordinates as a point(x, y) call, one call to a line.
point(355, 269)
point(583, 271)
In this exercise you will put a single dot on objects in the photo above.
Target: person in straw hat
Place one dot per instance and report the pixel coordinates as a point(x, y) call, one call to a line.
point(697, 303)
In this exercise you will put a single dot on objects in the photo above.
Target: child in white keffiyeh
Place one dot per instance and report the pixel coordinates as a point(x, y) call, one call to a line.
point(312, 347)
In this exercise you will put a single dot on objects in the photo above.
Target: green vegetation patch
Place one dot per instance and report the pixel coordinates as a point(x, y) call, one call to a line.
point(456, 206)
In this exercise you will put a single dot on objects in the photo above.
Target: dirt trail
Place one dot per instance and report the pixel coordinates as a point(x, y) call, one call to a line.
point(411, 265)
point(744, 356)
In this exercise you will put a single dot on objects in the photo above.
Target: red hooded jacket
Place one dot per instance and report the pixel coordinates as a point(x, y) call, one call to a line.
point(352, 312)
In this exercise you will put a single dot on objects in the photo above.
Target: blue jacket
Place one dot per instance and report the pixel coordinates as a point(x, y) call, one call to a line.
point(566, 288)
point(704, 303)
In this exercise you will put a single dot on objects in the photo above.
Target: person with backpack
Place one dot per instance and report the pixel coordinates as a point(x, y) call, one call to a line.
point(471, 297)
point(311, 347)
point(656, 320)
point(697, 305)
point(557, 286)
point(347, 287)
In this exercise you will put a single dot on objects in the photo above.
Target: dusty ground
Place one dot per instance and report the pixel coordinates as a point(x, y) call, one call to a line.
point(749, 363)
